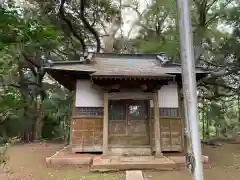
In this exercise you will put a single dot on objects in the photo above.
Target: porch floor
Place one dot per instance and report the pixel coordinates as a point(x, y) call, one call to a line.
point(170, 161)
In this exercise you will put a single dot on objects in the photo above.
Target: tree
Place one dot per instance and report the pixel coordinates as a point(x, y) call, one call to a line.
point(29, 37)
point(215, 48)
point(26, 41)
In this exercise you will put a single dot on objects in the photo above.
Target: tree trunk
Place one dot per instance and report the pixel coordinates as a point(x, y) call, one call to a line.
point(39, 119)
point(65, 127)
point(207, 122)
point(217, 130)
point(39, 126)
point(203, 120)
point(27, 124)
point(108, 40)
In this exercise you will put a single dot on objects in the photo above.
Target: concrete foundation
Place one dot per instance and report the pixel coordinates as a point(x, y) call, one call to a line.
point(132, 163)
point(115, 163)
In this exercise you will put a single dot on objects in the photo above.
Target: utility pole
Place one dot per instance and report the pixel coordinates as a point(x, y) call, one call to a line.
point(190, 90)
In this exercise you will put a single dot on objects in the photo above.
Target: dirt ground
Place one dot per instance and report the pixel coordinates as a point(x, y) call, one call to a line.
point(27, 162)
point(225, 162)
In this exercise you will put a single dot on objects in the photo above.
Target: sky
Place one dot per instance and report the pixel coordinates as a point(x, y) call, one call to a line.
point(130, 17)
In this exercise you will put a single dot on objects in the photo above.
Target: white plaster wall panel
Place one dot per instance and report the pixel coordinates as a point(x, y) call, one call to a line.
point(167, 96)
point(88, 95)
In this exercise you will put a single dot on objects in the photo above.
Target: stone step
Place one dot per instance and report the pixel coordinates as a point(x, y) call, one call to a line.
point(107, 164)
point(134, 175)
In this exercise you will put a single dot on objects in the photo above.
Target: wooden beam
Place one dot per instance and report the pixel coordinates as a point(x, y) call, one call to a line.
point(130, 95)
point(115, 87)
point(157, 133)
point(144, 87)
point(105, 125)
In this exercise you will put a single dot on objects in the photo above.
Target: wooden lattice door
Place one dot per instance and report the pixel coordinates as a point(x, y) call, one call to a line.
point(128, 123)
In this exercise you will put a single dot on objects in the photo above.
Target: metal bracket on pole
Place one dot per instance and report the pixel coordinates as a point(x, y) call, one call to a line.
point(191, 163)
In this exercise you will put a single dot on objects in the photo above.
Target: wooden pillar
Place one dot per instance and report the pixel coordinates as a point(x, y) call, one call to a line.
point(105, 125)
point(157, 126)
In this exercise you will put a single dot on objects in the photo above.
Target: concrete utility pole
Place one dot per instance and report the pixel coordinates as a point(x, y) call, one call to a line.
point(189, 88)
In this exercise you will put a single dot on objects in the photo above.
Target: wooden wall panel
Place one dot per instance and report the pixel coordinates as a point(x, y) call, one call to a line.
point(123, 134)
point(117, 127)
point(171, 134)
point(87, 132)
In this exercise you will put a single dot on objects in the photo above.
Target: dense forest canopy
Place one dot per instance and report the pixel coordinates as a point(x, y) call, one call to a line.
point(33, 106)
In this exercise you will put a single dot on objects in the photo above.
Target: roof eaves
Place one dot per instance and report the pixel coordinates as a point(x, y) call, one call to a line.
point(142, 55)
point(68, 70)
point(128, 74)
point(67, 62)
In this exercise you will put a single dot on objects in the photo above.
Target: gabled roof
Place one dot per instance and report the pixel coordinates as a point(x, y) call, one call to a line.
point(113, 65)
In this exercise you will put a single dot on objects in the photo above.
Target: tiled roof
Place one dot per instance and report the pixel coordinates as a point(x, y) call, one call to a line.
point(122, 64)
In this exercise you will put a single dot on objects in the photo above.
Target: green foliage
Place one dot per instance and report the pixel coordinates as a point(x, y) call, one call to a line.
point(221, 118)
point(216, 44)
point(26, 41)
point(58, 107)
point(11, 119)
point(158, 29)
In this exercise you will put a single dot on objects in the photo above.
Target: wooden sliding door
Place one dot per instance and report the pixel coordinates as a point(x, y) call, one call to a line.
point(128, 123)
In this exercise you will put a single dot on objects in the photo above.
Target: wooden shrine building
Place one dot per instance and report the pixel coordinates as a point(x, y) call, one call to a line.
point(125, 104)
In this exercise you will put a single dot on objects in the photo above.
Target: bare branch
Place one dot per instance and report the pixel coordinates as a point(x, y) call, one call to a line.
point(213, 18)
point(134, 8)
point(196, 3)
point(210, 5)
point(68, 22)
point(88, 26)
point(30, 60)
point(31, 64)
point(217, 15)
point(12, 85)
point(104, 27)
point(211, 64)
point(161, 22)
point(140, 14)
